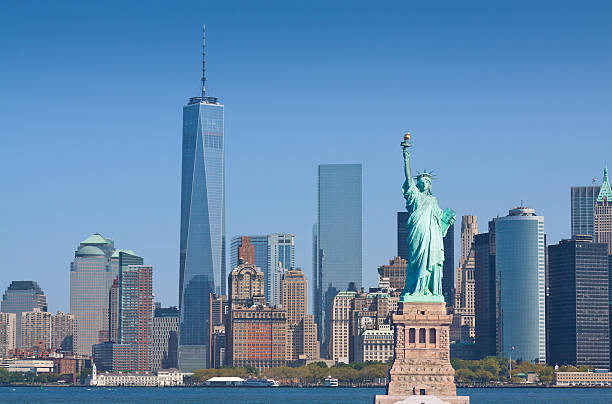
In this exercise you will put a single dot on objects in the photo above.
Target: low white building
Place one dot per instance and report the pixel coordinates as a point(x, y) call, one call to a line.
point(596, 378)
point(166, 377)
point(27, 365)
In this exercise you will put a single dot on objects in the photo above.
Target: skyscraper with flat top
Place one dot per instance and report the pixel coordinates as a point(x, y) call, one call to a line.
point(583, 201)
point(202, 234)
point(338, 239)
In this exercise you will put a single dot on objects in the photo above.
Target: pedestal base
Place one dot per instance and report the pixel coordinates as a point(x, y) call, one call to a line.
point(379, 399)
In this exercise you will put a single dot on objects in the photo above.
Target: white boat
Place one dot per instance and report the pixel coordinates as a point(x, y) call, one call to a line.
point(260, 383)
point(331, 382)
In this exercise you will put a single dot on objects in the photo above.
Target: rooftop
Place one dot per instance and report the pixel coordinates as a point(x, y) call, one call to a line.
point(89, 250)
point(96, 238)
point(605, 190)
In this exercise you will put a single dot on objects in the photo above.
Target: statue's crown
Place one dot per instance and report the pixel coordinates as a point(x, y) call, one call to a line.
point(427, 174)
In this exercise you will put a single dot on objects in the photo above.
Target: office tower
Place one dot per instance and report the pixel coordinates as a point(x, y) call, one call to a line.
point(8, 331)
point(520, 262)
point(464, 306)
point(583, 201)
point(272, 253)
point(219, 308)
point(63, 327)
point(448, 268)
point(602, 216)
point(486, 297)
point(113, 311)
point(339, 239)
point(22, 296)
point(578, 303)
point(395, 272)
point(340, 326)
point(301, 329)
point(90, 279)
point(202, 234)
point(369, 311)
point(246, 286)
point(136, 312)
point(164, 338)
point(375, 345)
point(218, 346)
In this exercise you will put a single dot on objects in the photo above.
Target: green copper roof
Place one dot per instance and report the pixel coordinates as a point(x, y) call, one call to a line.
point(95, 238)
point(89, 250)
point(605, 191)
point(116, 253)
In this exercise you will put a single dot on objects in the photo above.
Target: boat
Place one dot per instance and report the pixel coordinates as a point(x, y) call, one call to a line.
point(259, 383)
point(331, 382)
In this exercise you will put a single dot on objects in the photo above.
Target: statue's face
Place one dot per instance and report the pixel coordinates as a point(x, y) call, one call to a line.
point(424, 184)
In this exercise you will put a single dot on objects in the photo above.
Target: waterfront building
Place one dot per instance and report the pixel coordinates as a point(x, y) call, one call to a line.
point(114, 356)
point(583, 379)
point(202, 231)
point(8, 332)
point(161, 378)
point(602, 216)
point(521, 266)
point(340, 327)
point(28, 365)
point(164, 338)
point(486, 295)
point(301, 330)
point(338, 240)
point(272, 253)
point(578, 309)
point(395, 273)
point(22, 296)
point(375, 345)
point(257, 336)
point(90, 280)
point(448, 268)
point(582, 205)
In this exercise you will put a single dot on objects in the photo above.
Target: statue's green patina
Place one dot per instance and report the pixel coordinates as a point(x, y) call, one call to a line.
point(427, 225)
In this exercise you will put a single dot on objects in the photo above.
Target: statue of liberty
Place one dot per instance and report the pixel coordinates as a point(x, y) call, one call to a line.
point(427, 225)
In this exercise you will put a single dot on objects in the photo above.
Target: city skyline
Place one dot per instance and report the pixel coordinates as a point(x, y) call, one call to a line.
point(269, 139)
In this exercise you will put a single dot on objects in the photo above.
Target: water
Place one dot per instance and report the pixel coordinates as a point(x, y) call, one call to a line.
point(141, 395)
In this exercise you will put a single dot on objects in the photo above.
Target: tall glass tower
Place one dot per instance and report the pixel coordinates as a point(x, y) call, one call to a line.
point(338, 239)
point(202, 244)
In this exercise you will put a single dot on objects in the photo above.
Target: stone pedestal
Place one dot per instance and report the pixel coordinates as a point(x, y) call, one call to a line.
point(422, 372)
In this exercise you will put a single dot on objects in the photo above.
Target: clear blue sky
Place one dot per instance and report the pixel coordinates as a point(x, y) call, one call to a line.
point(508, 101)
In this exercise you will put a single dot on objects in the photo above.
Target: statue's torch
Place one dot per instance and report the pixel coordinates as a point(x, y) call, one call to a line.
point(406, 142)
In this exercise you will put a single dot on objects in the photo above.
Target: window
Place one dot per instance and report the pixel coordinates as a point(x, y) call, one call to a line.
point(411, 336)
point(432, 335)
point(421, 335)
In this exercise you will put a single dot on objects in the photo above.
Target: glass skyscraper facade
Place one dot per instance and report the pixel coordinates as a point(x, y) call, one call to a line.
point(338, 239)
point(578, 310)
point(202, 233)
point(520, 262)
point(583, 203)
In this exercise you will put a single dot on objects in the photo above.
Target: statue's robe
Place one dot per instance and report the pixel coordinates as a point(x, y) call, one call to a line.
point(425, 243)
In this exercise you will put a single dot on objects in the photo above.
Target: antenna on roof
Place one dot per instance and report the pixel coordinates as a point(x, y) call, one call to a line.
point(203, 60)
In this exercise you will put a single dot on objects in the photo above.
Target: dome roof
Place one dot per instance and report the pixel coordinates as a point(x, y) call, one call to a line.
point(89, 250)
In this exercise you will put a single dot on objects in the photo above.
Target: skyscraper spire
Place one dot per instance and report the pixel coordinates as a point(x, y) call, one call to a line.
point(605, 190)
point(204, 60)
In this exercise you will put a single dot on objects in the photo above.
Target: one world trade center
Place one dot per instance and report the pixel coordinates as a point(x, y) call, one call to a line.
point(202, 248)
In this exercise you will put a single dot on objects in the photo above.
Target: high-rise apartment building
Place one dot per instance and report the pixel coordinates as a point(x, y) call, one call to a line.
point(136, 312)
point(339, 344)
point(164, 338)
point(339, 239)
point(202, 233)
point(8, 333)
point(583, 201)
point(22, 296)
point(448, 268)
point(487, 296)
point(301, 330)
point(578, 310)
point(91, 276)
point(602, 216)
point(272, 253)
point(521, 266)
point(36, 329)
point(63, 327)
